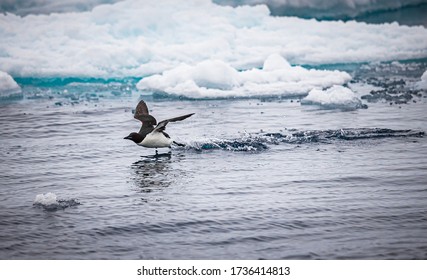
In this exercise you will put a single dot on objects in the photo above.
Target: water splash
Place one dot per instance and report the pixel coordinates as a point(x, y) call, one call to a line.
point(330, 135)
point(262, 141)
point(247, 143)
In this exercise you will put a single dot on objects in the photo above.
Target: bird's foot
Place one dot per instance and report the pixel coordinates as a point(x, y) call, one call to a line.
point(179, 144)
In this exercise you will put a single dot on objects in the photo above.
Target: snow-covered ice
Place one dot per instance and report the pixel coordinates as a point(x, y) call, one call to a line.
point(8, 86)
point(336, 97)
point(140, 38)
point(216, 79)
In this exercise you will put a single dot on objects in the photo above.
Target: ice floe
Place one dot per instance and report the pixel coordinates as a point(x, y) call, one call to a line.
point(216, 79)
point(336, 97)
point(423, 83)
point(50, 202)
point(139, 38)
point(8, 86)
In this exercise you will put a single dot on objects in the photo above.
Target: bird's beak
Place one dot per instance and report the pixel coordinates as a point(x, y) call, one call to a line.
point(127, 137)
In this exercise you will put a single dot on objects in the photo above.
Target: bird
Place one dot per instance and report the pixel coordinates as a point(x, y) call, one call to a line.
point(152, 134)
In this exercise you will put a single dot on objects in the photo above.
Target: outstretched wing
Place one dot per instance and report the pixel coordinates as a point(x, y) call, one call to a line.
point(162, 125)
point(141, 113)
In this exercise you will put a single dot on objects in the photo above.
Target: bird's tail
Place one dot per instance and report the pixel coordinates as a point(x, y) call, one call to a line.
point(178, 144)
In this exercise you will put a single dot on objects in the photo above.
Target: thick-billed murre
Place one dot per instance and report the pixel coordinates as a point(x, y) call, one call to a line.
point(151, 134)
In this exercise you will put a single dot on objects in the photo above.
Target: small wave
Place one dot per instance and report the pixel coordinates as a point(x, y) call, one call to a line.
point(50, 202)
point(262, 141)
point(327, 136)
point(247, 143)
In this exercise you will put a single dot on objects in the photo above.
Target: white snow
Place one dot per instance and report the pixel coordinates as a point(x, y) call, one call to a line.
point(140, 38)
point(8, 85)
point(332, 98)
point(423, 83)
point(216, 79)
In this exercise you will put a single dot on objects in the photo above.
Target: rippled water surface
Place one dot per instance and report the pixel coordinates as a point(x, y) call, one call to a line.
point(259, 179)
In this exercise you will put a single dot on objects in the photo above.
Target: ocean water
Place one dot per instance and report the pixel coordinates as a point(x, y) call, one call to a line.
point(308, 139)
point(259, 178)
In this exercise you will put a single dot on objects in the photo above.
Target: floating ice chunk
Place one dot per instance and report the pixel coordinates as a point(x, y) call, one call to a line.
point(8, 86)
point(211, 74)
point(336, 97)
point(216, 79)
point(136, 38)
point(50, 202)
point(46, 199)
point(423, 83)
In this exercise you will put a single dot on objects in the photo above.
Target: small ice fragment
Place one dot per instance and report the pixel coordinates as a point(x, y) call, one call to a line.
point(46, 199)
point(336, 97)
point(423, 83)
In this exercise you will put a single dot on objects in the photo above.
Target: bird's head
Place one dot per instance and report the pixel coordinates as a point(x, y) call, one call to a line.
point(135, 137)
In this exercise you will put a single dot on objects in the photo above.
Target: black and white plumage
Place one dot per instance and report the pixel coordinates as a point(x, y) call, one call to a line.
point(151, 134)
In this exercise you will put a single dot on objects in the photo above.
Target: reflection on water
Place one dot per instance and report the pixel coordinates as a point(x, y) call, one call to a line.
point(153, 172)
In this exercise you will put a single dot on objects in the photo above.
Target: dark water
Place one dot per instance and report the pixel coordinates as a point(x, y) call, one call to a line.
point(377, 13)
point(259, 178)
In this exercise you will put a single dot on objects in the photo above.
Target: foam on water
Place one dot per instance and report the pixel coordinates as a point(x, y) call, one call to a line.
point(248, 143)
point(216, 79)
point(135, 39)
point(326, 136)
point(336, 97)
